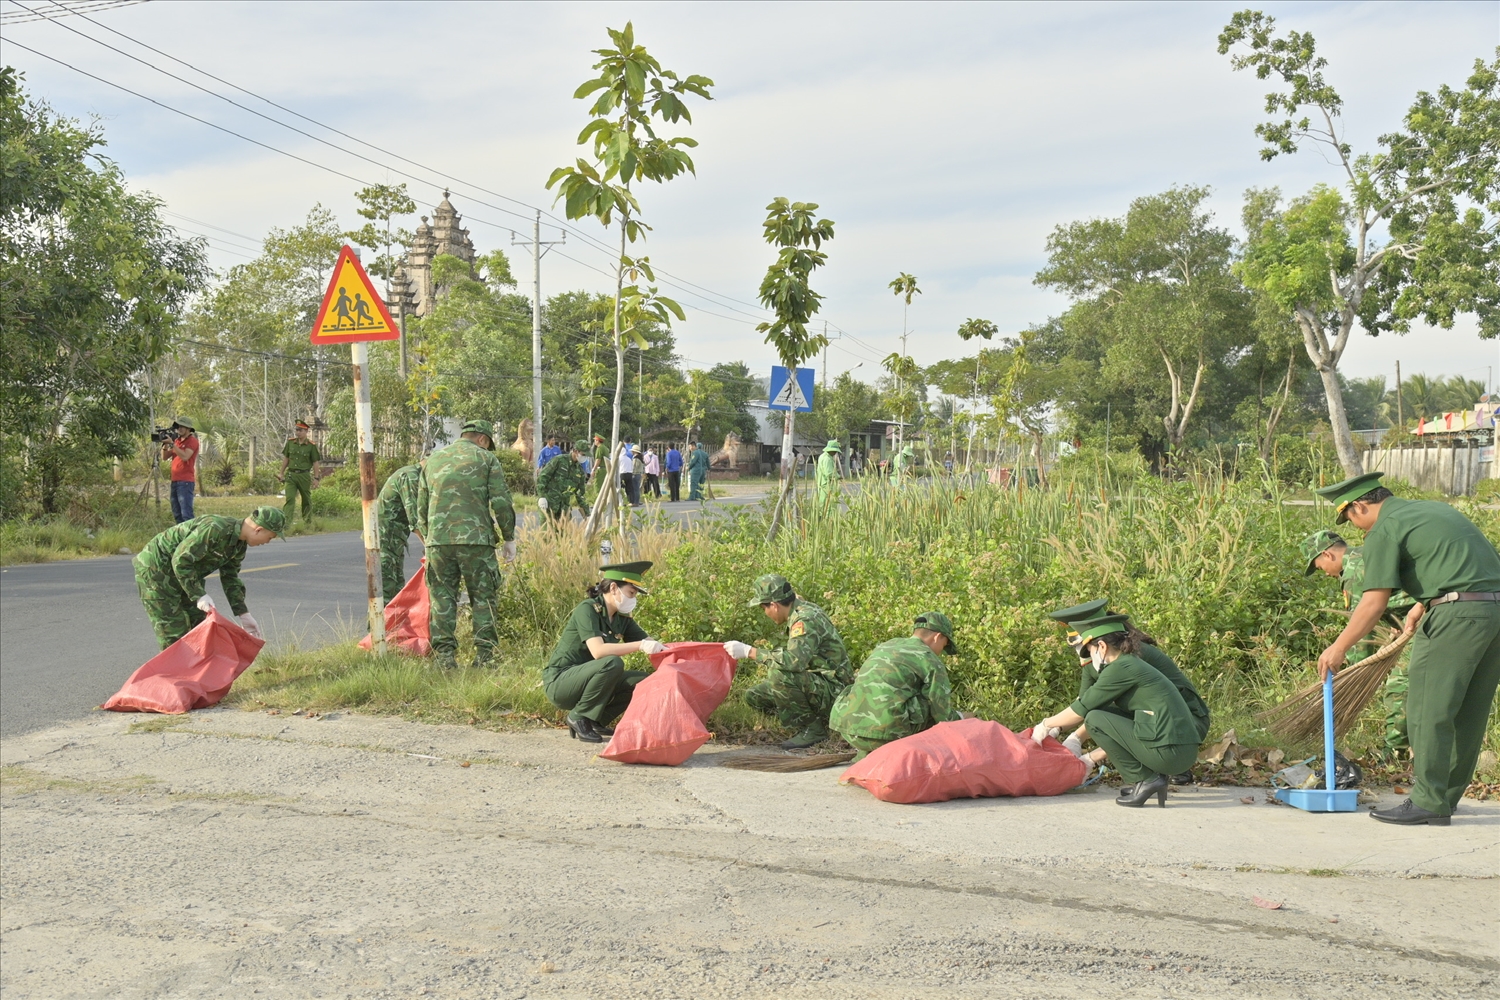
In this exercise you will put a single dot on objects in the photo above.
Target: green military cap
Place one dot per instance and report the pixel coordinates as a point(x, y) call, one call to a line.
point(1318, 543)
point(1081, 612)
point(581, 445)
point(630, 572)
point(772, 588)
point(936, 621)
point(1342, 494)
point(270, 518)
point(833, 446)
point(480, 427)
point(1093, 628)
point(183, 422)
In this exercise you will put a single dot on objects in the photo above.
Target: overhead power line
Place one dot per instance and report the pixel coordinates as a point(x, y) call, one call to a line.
point(77, 8)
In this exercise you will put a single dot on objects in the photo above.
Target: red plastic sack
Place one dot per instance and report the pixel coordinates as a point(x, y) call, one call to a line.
point(666, 719)
point(407, 617)
point(196, 671)
point(970, 758)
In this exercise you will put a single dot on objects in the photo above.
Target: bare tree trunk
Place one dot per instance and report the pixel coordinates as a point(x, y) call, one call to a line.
point(1325, 358)
point(1276, 411)
point(614, 431)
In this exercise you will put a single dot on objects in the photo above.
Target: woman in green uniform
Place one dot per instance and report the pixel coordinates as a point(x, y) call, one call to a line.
point(586, 675)
point(1137, 716)
point(1146, 649)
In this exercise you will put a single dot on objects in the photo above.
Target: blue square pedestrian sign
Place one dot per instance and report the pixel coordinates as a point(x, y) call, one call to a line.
point(792, 394)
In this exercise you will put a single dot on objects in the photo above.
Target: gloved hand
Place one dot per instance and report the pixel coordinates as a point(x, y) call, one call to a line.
point(205, 604)
point(652, 646)
point(1039, 732)
point(1074, 744)
point(508, 551)
point(739, 650)
point(541, 503)
point(249, 624)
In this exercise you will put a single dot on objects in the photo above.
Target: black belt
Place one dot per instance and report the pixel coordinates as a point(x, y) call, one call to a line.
point(1468, 596)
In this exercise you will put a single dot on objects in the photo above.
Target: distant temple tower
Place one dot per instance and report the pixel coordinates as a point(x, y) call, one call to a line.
point(412, 289)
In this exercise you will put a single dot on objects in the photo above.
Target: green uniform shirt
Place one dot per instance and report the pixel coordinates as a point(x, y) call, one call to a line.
point(698, 461)
point(190, 551)
point(813, 645)
point(301, 456)
point(588, 620)
point(1428, 549)
point(398, 497)
point(828, 472)
point(1129, 682)
point(462, 496)
point(560, 477)
point(901, 689)
point(1168, 668)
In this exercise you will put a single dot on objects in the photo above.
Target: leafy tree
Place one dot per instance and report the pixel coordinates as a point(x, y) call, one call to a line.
point(634, 94)
point(904, 287)
point(382, 203)
point(738, 387)
point(795, 228)
point(1157, 287)
point(92, 286)
point(848, 407)
point(1433, 187)
point(968, 330)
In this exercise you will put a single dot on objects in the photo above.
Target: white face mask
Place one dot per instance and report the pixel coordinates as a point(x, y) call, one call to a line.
point(1096, 654)
point(626, 605)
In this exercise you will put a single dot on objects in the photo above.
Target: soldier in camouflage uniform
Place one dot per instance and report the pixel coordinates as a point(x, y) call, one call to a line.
point(398, 515)
point(562, 479)
point(806, 676)
point(1327, 551)
point(170, 572)
point(461, 498)
point(901, 689)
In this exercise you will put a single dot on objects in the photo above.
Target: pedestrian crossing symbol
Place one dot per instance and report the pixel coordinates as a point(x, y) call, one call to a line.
point(352, 309)
point(789, 393)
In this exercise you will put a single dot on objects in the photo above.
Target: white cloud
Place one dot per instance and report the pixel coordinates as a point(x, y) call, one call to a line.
point(946, 139)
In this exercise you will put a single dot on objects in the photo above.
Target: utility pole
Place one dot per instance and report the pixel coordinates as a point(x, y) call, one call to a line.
point(1400, 410)
point(825, 355)
point(539, 249)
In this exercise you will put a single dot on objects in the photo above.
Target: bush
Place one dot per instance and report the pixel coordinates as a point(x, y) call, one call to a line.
point(345, 479)
point(330, 502)
point(518, 475)
point(264, 483)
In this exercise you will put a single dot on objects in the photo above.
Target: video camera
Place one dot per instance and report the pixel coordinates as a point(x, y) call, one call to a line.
point(162, 435)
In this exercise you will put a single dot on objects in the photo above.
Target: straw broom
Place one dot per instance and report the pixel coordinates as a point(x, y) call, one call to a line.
point(770, 760)
point(1300, 717)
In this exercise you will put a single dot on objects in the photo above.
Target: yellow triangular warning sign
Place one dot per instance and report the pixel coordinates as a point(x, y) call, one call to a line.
point(352, 309)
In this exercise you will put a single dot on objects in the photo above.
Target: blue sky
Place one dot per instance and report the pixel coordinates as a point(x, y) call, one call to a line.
point(946, 140)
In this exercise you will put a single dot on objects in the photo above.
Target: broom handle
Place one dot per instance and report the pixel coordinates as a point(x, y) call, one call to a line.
point(1328, 729)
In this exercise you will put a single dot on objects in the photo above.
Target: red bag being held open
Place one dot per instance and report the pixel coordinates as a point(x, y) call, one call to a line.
point(665, 722)
point(196, 671)
point(407, 618)
point(970, 758)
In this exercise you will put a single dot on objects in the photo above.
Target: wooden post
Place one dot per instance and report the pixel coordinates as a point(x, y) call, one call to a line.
point(365, 422)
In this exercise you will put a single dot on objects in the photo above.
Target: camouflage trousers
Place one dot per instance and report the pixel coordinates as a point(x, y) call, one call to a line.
point(1393, 698)
point(796, 698)
point(864, 745)
point(473, 567)
point(172, 614)
point(298, 483)
point(395, 535)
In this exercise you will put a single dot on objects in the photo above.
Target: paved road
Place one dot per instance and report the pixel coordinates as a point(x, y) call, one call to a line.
point(72, 631)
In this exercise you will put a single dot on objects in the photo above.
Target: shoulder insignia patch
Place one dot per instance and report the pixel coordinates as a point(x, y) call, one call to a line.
point(798, 628)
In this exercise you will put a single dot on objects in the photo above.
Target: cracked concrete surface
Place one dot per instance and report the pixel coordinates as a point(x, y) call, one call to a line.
point(243, 854)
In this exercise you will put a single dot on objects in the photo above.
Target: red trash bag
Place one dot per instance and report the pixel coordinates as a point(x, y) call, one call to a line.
point(970, 758)
point(666, 719)
point(196, 671)
point(407, 617)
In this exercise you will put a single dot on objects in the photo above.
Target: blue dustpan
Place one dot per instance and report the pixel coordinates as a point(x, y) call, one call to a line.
point(1330, 799)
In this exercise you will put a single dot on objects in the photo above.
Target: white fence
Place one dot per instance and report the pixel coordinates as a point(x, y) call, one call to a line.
point(1454, 469)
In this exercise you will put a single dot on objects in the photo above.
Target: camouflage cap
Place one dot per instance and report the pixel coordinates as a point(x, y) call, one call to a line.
point(936, 621)
point(833, 446)
point(270, 518)
point(581, 445)
point(772, 588)
point(1345, 492)
point(1318, 543)
point(480, 427)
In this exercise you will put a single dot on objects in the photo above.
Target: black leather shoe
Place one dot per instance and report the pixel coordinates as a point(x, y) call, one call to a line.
point(603, 730)
point(1185, 778)
point(583, 729)
point(1407, 814)
point(1143, 791)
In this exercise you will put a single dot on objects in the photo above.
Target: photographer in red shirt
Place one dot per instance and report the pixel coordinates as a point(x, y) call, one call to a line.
point(182, 449)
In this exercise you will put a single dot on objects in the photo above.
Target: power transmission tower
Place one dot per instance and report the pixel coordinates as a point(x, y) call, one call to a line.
point(539, 249)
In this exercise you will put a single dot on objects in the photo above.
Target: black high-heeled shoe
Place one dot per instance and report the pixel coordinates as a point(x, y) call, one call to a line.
point(583, 729)
point(1143, 791)
point(603, 730)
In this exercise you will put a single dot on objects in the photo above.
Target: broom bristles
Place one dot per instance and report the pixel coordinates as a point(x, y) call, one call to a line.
point(783, 762)
point(1300, 717)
